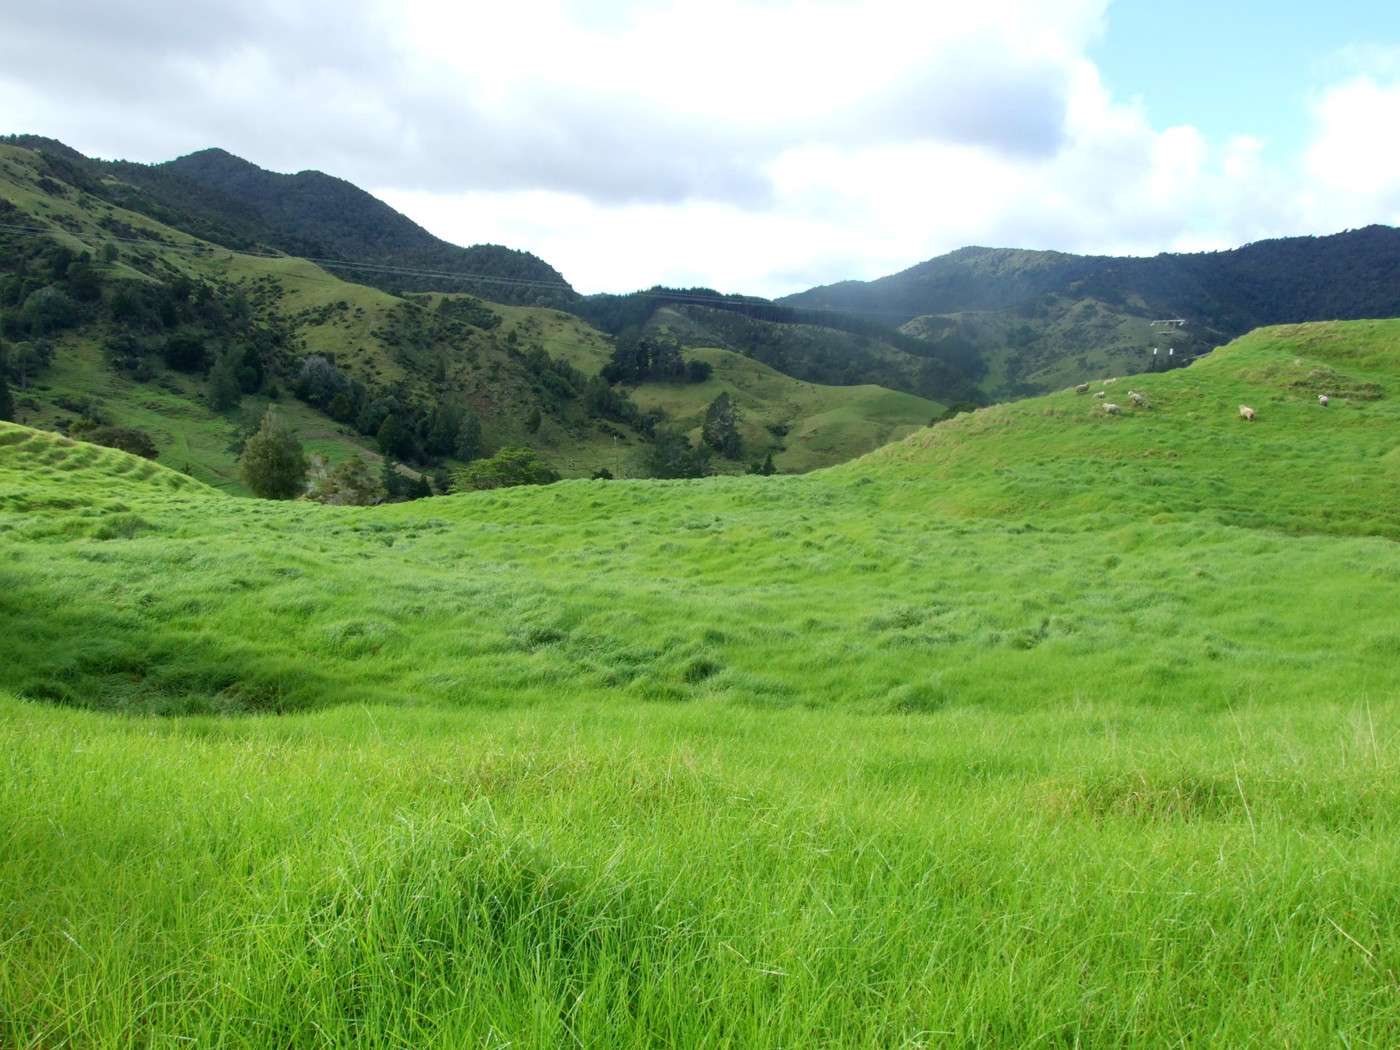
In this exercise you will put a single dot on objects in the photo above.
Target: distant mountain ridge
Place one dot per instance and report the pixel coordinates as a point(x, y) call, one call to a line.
point(1044, 318)
point(978, 324)
point(1267, 282)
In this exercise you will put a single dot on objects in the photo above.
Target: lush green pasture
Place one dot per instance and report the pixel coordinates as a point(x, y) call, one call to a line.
point(1040, 728)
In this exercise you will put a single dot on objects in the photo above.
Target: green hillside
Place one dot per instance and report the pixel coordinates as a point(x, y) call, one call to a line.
point(420, 353)
point(1038, 320)
point(227, 200)
point(805, 425)
point(1056, 342)
point(412, 356)
point(1043, 726)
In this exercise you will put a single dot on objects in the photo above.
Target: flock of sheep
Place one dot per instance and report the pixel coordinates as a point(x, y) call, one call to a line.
point(1138, 400)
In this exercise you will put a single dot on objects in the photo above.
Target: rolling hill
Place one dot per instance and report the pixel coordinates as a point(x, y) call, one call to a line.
point(128, 287)
point(1042, 725)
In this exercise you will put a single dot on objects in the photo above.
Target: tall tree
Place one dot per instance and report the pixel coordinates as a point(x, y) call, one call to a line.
point(7, 400)
point(225, 391)
point(395, 439)
point(273, 464)
point(720, 429)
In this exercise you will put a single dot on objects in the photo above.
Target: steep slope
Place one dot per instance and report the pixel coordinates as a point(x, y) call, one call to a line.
point(316, 215)
point(227, 200)
point(127, 292)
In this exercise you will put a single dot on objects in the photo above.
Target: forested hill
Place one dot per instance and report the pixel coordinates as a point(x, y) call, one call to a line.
point(225, 199)
point(1038, 321)
point(1345, 276)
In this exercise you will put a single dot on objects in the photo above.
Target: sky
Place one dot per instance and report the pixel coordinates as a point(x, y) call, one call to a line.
point(761, 146)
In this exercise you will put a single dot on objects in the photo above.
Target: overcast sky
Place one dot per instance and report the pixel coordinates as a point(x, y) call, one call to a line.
point(755, 145)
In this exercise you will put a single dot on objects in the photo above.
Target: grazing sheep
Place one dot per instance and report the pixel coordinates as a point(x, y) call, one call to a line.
point(1323, 400)
point(1111, 409)
point(1113, 380)
point(1247, 413)
point(1082, 388)
point(1100, 393)
point(1136, 398)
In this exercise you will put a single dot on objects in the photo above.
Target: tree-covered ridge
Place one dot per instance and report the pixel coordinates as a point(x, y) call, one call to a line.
point(222, 198)
point(1220, 294)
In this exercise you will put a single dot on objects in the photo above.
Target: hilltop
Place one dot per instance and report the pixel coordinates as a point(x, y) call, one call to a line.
point(224, 199)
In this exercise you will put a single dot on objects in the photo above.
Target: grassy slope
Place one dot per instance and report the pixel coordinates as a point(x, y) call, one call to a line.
point(349, 321)
point(332, 316)
point(826, 424)
point(1040, 727)
point(1057, 343)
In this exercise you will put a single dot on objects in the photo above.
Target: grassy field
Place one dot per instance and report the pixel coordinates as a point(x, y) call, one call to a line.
point(1042, 727)
point(808, 425)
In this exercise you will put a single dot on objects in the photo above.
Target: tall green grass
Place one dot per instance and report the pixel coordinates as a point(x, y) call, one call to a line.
point(1040, 728)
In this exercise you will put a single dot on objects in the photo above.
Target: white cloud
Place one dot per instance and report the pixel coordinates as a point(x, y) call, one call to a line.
point(757, 145)
point(1356, 151)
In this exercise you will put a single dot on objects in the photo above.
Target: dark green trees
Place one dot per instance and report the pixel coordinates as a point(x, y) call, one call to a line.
point(508, 467)
point(720, 429)
point(672, 455)
point(638, 358)
point(766, 468)
point(394, 438)
point(128, 439)
point(225, 390)
point(7, 400)
point(273, 464)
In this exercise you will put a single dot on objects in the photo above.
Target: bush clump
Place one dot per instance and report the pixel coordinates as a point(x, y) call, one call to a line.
point(273, 464)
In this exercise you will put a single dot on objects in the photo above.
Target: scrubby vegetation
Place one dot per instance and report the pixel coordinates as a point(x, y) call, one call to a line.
point(1039, 727)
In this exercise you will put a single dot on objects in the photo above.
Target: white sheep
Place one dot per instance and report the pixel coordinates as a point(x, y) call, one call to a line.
point(1247, 413)
point(1323, 400)
point(1100, 393)
point(1082, 388)
point(1136, 398)
point(1111, 409)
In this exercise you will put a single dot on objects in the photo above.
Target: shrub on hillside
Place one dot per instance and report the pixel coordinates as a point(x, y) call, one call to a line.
point(128, 439)
point(273, 464)
point(507, 468)
point(47, 310)
point(350, 483)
